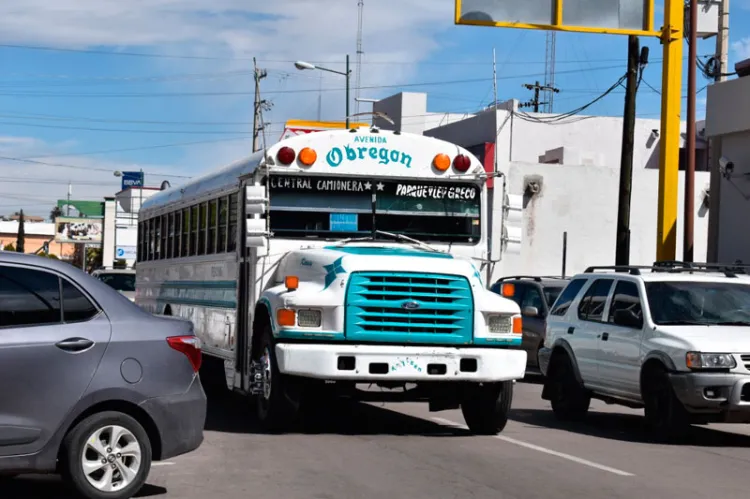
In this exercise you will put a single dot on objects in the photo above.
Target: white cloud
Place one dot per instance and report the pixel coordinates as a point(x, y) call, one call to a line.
point(741, 48)
point(403, 31)
point(36, 185)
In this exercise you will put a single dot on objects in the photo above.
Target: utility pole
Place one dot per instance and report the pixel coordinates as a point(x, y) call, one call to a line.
point(538, 88)
point(714, 144)
point(259, 74)
point(360, 53)
point(622, 248)
point(549, 69)
point(689, 211)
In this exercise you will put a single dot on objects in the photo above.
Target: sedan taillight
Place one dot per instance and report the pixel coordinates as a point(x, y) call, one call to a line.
point(190, 346)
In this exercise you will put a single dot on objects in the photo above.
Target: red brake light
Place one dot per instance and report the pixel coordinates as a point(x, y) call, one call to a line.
point(286, 155)
point(190, 346)
point(461, 163)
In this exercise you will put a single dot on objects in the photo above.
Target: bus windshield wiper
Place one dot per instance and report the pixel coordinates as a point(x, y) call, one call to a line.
point(399, 237)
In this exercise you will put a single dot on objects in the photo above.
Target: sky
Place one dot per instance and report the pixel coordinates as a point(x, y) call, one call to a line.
point(90, 87)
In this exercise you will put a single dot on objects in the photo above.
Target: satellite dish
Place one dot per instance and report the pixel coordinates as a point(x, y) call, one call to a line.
point(165, 185)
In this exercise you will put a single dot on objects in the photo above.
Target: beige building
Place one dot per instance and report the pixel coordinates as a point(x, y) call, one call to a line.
point(37, 233)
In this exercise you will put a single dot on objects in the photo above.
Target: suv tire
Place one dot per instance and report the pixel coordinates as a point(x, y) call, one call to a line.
point(486, 407)
point(666, 417)
point(570, 400)
point(84, 448)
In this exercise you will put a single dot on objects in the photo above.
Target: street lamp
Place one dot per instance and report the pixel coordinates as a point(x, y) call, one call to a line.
point(302, 65)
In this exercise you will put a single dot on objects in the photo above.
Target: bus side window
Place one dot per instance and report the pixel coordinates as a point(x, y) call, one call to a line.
point(233, 217)
point(213, 215)
point(194, 231)
point(184, 249)
point(222, 243)
point(202, 226)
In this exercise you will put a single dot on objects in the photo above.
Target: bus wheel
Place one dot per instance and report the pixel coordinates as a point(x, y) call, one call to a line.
point(275, 410)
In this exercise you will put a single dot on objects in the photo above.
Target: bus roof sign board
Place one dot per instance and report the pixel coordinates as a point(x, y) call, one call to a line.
point(624, 17)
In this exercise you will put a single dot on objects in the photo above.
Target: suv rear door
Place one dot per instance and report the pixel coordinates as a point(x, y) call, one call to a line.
point(590, 315)
point(52, 338)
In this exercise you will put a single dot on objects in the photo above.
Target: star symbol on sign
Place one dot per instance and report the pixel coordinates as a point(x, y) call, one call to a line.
point(368, 186)
point(380, 186)
point(333, 270)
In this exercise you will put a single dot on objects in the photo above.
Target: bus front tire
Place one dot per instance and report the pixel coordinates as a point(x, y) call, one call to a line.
point(274, 409)
point(486, 407)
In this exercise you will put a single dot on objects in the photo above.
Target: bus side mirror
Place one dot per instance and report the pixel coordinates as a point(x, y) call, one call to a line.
point(256, 202)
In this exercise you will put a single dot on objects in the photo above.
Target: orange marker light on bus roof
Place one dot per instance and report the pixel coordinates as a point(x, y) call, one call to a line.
point(441, 162)
point(508, 290)
point(308, 156)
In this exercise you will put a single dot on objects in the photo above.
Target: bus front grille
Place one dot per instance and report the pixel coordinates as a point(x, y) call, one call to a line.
point(409, 308)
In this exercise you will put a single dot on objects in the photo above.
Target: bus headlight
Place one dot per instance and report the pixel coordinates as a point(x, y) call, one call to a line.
point(308, 318)
point(504, 324)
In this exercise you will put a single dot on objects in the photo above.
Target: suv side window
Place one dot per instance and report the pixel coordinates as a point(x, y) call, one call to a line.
point(532, 298)
point(28, 297)
point(569, 294)
point(76, 307)
point(592, 304)
point(626, 297)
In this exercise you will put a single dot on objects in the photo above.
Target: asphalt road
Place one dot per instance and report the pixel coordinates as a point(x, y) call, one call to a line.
point(402, 451)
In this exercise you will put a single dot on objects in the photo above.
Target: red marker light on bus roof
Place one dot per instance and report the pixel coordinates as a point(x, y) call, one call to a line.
point(286, 156)
point(461, 163)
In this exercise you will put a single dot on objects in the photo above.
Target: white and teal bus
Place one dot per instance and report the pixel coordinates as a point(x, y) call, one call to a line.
point(337, 259)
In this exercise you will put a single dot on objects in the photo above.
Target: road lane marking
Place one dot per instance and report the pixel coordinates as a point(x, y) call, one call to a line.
point(162, 463)
point(544, 450)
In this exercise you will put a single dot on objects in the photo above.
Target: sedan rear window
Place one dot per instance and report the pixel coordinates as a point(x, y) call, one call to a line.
point(120, 282)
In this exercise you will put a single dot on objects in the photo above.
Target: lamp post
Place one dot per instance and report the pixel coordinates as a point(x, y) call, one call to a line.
point(302, 65)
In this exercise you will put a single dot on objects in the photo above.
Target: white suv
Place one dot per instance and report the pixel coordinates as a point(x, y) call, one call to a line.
point(673, 338)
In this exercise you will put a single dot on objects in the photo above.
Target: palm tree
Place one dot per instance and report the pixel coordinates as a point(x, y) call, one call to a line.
point(20, 240)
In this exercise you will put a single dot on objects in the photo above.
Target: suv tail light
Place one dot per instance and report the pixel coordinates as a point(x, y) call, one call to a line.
point(190, 346)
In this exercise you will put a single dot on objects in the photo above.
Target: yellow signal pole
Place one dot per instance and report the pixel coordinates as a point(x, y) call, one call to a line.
point(669, 154)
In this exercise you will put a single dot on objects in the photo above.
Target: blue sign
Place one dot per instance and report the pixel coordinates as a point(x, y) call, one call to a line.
point(343, 222)
point(132, 179)
point(125, 252)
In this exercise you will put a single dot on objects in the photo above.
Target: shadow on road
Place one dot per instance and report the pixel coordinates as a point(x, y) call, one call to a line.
point(52, 487)
point(626, 427)
point(232, 413)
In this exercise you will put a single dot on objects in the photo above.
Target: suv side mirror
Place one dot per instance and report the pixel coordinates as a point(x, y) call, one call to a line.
point(627, 318)
point(530, 312)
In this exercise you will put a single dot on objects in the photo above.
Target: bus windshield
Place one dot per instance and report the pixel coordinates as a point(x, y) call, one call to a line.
point(342, 207)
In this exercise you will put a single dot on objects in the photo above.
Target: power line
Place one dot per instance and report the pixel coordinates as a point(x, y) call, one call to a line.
point(54, 117)
point(284, 61)
point(297, 91)
point(140, 148)
point(79, 167)
point(127, 130)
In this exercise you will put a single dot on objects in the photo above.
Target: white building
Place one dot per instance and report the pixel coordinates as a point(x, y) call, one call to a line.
point(728, 125)
point(575, 166)
point(121, 224)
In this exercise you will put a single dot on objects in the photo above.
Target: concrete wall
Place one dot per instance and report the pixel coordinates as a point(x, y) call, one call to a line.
point(108, 239)
point(582, 200)
point(519, 140)
point(728, 124)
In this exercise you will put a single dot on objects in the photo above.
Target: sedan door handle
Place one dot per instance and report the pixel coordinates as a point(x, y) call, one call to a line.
point(74, 344)
point(605, 336)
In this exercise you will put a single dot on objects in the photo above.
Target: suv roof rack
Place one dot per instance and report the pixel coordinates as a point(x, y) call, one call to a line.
point(729, 270)
point(631, 269)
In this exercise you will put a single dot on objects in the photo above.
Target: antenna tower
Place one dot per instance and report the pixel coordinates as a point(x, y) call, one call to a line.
point(360, 53)
point(549, 70)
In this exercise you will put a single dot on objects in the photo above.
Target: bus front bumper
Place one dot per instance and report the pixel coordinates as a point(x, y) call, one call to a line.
point(400, 363)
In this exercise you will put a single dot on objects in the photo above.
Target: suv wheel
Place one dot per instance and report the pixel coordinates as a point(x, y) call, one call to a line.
point(107, 456)
point(570, 400)
point(666, 417)
point(486, 407)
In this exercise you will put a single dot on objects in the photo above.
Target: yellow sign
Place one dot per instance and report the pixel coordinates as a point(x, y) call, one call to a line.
point(619, 17)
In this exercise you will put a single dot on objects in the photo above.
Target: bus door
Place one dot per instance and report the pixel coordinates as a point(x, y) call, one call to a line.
point(253, 240)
